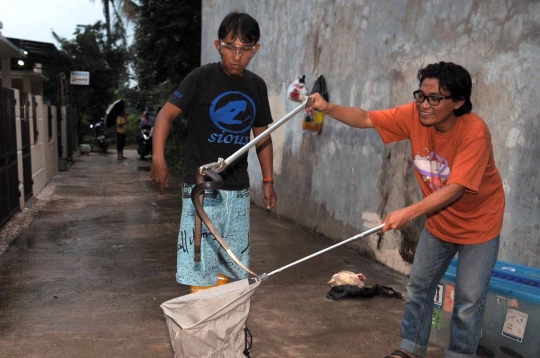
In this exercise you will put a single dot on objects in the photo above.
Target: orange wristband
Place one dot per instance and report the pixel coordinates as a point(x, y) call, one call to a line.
point(268, 180)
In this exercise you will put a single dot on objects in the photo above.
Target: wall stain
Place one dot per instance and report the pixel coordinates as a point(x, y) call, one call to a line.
point(370, 54)
point(398, 188)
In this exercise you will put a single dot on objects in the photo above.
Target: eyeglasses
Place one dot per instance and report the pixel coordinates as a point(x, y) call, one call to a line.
point(419, 97)
point(241, 50)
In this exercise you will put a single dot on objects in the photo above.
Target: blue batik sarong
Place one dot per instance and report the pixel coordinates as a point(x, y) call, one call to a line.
point(229, 212)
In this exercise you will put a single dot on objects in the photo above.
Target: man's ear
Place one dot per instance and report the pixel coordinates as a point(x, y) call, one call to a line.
point(459, 103)
point(218, 46)
point(257, 47)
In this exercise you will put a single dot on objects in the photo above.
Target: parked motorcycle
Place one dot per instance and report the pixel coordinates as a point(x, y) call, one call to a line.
point(144, 143)
point(101, 137)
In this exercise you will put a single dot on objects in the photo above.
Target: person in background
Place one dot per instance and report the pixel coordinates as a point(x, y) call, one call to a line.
point(224, 103)
point(121, 122)
point(146, 120)
point(463, 201)
point(146, 123)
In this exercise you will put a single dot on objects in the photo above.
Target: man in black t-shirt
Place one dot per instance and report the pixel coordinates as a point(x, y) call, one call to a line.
point(224, 103)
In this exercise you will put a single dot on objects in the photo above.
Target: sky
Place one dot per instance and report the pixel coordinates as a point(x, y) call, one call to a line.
point(36, 19)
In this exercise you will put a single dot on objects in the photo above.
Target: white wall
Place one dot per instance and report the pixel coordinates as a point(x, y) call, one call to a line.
point(37, 148)
point(343, 181)
point(44, 150)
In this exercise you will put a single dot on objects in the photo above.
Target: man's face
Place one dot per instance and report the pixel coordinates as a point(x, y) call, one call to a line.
point(235, 55)
point(442, 115)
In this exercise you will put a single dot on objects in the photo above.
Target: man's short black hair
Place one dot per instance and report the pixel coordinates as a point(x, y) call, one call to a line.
point(241, 26)
point(453, 78)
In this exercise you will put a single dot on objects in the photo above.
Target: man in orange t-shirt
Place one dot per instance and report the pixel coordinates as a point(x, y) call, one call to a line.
point(463, 200)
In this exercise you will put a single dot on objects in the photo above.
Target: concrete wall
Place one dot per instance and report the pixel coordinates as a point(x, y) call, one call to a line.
point(344, 181)
point(37, 149)
point(43, 150)
point(51, 144)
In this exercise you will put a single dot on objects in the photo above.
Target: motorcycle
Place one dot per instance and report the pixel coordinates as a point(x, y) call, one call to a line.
point(144, 143)
point(101, 137)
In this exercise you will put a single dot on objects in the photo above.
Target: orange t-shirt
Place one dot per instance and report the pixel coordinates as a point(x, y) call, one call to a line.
point(464, 156)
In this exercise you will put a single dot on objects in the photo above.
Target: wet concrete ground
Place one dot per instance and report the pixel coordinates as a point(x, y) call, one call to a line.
point(87, 277)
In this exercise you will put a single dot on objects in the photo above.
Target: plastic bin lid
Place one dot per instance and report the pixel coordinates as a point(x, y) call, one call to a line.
point(519, 273)
point(509, 279)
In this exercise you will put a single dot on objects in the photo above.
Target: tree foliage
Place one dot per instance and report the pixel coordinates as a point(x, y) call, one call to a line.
point(123, 11)
point(165, 49)
point(89, 51)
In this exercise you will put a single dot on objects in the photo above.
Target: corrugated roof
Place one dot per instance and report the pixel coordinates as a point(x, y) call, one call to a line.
point(9, 49)
point(42, 50)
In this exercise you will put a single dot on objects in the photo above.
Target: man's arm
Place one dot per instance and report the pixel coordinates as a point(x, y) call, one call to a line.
point(159, 172)
point(351, 116)
point(265, 154)
point(431, 203)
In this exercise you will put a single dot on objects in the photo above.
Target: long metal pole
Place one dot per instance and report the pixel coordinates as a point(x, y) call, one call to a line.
point(365, 233)
point(261, 136)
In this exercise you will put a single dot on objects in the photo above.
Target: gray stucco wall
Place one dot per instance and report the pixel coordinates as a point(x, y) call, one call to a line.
point(343, 181)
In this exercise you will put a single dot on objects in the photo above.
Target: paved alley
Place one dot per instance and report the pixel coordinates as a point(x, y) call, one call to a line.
point(88, 277)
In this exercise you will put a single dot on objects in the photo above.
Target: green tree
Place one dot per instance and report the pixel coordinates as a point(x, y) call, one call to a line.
point(89, 51)
point(123, 11)
point(166, 47)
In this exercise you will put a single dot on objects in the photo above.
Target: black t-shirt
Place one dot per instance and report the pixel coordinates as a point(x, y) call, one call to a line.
point(221, 111)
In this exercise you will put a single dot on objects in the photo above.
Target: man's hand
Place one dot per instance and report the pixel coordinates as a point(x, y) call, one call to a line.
point(269, 198)
point(435, 201)
point(319, 104)
point(160, 175)
point(397, 219)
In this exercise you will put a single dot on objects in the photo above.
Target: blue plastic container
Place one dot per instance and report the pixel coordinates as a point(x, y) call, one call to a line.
point(516, 273)
point(511, 326)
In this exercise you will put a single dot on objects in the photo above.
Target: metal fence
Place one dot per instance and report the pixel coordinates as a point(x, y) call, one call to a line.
point(9, 181)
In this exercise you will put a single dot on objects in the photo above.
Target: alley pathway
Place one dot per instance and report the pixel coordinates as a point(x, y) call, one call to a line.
point(87, 278)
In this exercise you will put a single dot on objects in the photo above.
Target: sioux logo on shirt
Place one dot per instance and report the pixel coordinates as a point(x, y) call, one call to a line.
point(233, 113)
point(433, 168)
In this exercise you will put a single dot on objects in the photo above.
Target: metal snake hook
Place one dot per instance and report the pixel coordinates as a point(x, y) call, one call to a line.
point(211, 171)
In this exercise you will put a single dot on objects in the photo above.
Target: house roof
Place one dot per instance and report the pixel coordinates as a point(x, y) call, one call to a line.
point(8, 49)
point(39, 51)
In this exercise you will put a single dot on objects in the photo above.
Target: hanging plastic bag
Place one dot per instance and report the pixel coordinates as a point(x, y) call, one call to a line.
point(313, 124)
point(297, 90)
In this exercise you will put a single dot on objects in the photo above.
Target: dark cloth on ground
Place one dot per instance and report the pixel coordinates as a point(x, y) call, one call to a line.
point(342, 291)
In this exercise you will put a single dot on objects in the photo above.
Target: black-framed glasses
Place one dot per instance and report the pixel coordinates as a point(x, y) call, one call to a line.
point(420, 97)
point(231, 50)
